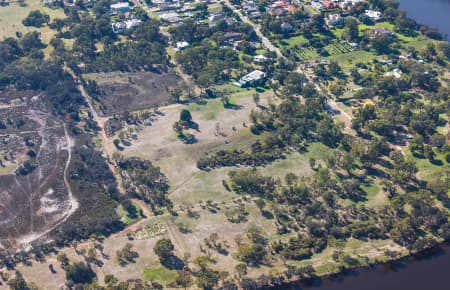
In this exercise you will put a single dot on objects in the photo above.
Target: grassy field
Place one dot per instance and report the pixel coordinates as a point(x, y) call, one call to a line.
point(348, 60)
point(11, 17)
point(428, 170)
point(375, 196)
point(159, 274)
point(292, 41)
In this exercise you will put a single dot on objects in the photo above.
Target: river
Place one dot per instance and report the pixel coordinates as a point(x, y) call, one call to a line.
point(430, 271)
point(435, 13)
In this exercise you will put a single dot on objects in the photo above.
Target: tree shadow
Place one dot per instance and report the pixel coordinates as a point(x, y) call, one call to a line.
point(436, 162)
point(173, 263)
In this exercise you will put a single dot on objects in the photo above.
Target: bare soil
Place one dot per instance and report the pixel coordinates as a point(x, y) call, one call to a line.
point(33, 203)
point(122, 92)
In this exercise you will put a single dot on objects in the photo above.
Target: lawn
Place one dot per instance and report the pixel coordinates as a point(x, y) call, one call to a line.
point(159, 274)
point(348, 60)
point(390, 26)
point(292, 41)
point(428, 170)
point(11, 17)
point(375, 196)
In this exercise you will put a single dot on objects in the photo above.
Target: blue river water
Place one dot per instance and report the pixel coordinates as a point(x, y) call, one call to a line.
point(430, 271)
point(435, 13)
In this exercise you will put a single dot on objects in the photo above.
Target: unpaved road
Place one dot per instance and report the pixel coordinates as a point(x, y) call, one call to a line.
point(73, 202)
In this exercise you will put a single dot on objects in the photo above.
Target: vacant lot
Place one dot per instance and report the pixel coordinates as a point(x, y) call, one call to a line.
point(219, 128)
point(120, 92)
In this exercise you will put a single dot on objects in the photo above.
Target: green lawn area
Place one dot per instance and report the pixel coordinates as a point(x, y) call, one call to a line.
point(293, 163)
point(292, 41)
point(213, 107)
point(159, 274)
point(428, 170)
point(403, 38)
point(375, 196)
point(348, 60)
point(297, 163)
point(11, 17)
point(318, 151)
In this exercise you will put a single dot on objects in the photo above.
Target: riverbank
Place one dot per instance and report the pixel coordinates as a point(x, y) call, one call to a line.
point(430, 12)
point(425, 270)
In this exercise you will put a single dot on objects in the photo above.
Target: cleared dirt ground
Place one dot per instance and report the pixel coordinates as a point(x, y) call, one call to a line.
point(34, 202)
point(120, 92)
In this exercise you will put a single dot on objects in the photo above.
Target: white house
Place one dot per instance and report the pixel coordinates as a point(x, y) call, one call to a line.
point(259, 58)
point(121, 26)
point(317, 5)
point(181, 45)
point(120, 7)
point(252, 78)
point(374, 15)
point(118, 27)
point(396, 73)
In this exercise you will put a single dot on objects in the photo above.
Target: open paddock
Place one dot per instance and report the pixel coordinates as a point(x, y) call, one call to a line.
point(120, 92)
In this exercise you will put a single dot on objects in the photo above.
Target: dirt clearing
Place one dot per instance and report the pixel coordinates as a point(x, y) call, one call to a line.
point(120, 92)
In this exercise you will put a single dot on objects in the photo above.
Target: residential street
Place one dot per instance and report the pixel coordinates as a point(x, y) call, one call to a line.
point(332, 105)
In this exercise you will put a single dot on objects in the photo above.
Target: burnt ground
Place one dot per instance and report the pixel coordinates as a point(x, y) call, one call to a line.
point(33, 198)
point(120, 92)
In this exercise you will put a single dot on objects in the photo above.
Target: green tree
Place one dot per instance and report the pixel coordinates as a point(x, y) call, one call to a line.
point(252, 254)
point(18, 282)
point(79, 273)
point(351, 31)
point(185, 116)
point(36, 18)
point(164, 249)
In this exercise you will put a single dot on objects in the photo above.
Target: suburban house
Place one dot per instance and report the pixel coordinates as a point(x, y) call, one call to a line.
point(254, 78)
point(119, 7)
point(396, 73)
point(122, 26)
point(328, 4)
point(182, 45)
point(317, 5)
point(380, 31)
point(168, 6)
point(173, 18)
point(255, 15)
point(259, 58)
point(347, 4)
point(333, 19)
point(231, 37)
point(249, 7)
point(214, 18)
point(286, 27)
point(374, 15)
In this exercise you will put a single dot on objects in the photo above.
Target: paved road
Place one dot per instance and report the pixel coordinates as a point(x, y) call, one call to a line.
point(266, 42)
point(333, 107)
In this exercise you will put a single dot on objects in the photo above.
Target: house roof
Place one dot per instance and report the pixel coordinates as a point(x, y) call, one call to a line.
point(253, 76)
point(120, 5)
